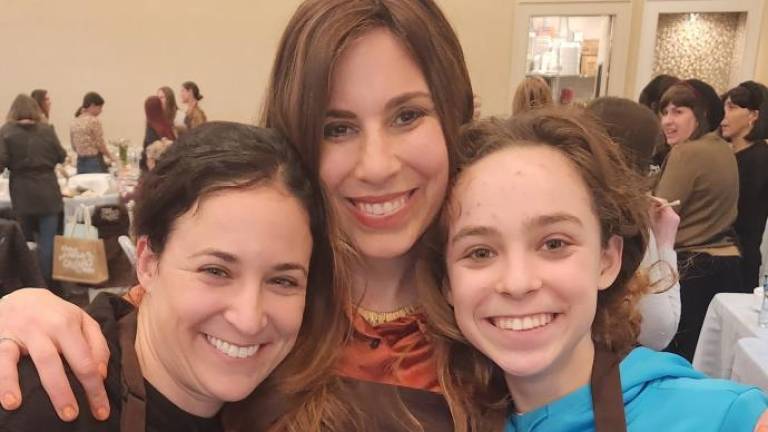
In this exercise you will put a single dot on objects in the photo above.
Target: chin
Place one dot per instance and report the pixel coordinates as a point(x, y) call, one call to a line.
point(385, 246)
point(523, 364)
point(234, 389)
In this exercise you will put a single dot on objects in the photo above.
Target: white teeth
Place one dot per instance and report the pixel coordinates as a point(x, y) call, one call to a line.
point(382, 209)
point(232, 350)
point(525, 323)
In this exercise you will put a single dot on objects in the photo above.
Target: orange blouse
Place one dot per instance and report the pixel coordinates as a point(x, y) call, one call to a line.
point(397, 353)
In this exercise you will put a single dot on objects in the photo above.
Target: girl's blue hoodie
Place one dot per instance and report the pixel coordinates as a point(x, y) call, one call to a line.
point(662, 393)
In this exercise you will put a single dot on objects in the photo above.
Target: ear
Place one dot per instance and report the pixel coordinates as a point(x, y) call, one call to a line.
point(610, 262)
point(146, 263)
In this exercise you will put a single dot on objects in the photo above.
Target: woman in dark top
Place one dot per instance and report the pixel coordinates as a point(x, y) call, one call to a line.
point(223, 305)
point(743, 126)
point(158, 126)
point(31, 150)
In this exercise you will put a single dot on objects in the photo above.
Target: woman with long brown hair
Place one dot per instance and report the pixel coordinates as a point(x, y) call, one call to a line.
point(372, 93)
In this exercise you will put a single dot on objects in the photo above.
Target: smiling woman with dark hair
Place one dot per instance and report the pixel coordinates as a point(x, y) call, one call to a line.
point(701, 172)
point(225, 227)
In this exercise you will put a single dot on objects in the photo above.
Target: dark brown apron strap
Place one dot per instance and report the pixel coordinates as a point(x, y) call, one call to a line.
point(133, 416)
point(607, 398)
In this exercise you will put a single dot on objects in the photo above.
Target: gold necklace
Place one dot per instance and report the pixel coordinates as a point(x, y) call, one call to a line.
point(377, 318)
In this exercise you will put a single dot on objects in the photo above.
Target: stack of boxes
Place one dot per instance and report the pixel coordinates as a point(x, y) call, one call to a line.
point(589, 57)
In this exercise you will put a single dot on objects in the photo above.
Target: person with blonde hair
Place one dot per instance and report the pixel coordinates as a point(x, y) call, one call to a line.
point(532, 92)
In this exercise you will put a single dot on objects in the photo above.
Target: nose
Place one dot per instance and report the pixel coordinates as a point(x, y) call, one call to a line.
point(520, 277)
point(378, 161)
point(245, 311)
point(666, 119)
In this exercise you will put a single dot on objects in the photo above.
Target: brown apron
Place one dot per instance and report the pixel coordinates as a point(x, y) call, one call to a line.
point(607, 398)
point(134, 412)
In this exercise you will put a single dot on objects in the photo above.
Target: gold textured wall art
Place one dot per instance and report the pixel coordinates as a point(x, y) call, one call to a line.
point(707, 46)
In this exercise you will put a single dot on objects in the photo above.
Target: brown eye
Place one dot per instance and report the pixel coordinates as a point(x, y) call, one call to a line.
point(481, 253)
point(408, 116)
point(336, 130)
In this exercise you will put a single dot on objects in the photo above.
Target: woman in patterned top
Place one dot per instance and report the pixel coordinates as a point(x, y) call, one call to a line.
point(190, 96)
point(87, 136)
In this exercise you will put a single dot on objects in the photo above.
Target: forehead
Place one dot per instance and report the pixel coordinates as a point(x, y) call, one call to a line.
point(378, 61)
point(519, 182)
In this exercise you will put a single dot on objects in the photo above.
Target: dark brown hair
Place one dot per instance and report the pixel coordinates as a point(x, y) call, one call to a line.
point(90, 99)
point(24, 107)
point(654, 90)
point(481, 398)
point(296, 103)
point(218, 156)
point(39, 96)
point(752, 96)
point(631, 125)
point(170, 103)
point(191, 86)
point(684, 94)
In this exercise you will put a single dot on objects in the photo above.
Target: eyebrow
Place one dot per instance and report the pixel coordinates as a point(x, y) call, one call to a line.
point(397, 100)
point(538, 221)
point(229, 258)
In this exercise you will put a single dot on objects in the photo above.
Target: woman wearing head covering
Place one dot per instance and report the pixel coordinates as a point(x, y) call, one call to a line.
point(158, 126)
point(701, 172)
point(30, 149)
point(744, 127)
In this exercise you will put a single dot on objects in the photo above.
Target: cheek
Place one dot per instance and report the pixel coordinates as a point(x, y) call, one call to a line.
point(427, 152)
point(335, 165)
point(286, 314)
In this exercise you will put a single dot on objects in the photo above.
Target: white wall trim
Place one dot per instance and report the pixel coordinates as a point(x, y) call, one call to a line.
point(622, 12)
point(652, 9)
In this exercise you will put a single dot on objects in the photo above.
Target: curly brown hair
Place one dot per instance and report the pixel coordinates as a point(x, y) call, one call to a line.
point(474, 385)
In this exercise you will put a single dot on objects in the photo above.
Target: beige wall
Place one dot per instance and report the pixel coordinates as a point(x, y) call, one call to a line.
point(761, 72)
point(127, 50)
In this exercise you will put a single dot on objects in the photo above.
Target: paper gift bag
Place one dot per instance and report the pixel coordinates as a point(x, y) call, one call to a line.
point(84, 229)
point(77, 255)
point(79, 260)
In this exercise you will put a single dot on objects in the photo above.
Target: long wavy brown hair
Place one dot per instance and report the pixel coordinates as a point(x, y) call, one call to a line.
point(296, 102)
point(474, 385)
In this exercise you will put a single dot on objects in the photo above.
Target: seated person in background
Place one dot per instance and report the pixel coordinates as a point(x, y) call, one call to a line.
point(744, 126)
point(158, 127)
point(547, 292)
point(223, 258)
point(155, 150)
point(636, 129)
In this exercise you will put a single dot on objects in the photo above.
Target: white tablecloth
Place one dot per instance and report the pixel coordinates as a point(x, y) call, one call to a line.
point(730, 317)
point(750, 362)
point(71, 204)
